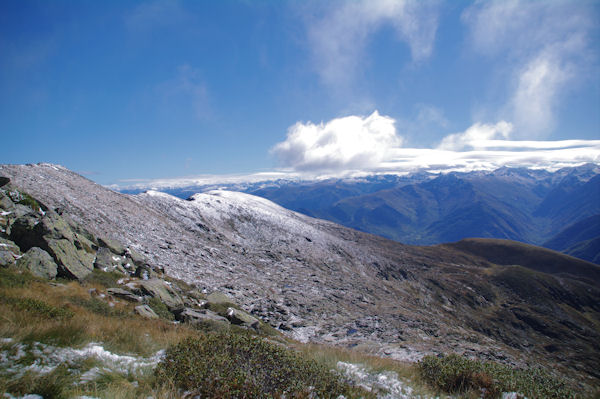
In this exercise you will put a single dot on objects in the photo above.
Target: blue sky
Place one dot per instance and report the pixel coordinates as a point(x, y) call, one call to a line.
point(120, 90)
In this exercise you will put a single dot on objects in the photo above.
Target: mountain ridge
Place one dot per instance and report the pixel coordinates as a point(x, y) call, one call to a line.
point(526, 205)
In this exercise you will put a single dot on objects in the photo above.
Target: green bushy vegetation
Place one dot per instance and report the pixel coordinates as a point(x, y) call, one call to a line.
point(104, 279)
point(457, 374)
point(160, 309)
point(28, 200)
point(227, 365)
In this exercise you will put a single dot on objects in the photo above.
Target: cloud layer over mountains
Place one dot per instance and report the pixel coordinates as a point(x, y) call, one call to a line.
point(373, 144)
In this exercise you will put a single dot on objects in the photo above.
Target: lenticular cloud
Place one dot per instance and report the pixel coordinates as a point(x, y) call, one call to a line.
point(351, 142)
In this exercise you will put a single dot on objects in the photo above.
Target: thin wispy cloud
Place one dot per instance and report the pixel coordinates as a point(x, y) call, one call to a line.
point(543, 47)
point(187, 87)
point(339, 38)
point(155, 14)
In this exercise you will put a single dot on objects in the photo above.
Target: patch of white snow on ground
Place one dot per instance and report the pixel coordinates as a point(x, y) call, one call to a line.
point(385, 384)
point(46, 358)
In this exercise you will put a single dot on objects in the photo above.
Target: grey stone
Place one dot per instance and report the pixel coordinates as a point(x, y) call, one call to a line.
point(218, 297)
point(7, 258)
point(39, 263)
point(146, 311)
point(159, 289)
point(124, 294)
point(145, 272)
point(72, 263)
point(135, 257)
point(23, 233)
point(114, 246)
point(53, 226)
point(8, 245)
point(4, 181)
point(195, 316)
point(108, 261)
point(242, 318)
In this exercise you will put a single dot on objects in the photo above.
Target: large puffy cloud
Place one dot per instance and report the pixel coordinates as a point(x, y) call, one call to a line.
point(545, 46)
point(339, 38)
point(352, 142)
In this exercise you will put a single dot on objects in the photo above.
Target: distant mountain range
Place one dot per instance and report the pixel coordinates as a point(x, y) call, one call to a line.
point(559, 210)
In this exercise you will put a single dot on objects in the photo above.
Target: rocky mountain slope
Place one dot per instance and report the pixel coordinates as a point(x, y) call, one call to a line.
point(319, 281)
point(526, 205)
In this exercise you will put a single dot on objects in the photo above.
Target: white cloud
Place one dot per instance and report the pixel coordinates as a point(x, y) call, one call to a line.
point(352, 142)
point(544, 44)
point(477, 133)
point(357, 146)
point(338, 40)
point(533, 103)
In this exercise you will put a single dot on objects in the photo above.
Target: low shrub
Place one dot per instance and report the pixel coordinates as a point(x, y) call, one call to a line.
point(52, 385)
point(104, 279)
point(457, 374)
point(227, 365)
point(28, 200)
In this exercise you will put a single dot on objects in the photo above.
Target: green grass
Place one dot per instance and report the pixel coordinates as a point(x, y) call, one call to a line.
point(228, 365)
point(457, 374)
point(103, 279)
point(160, 309)
point(15, 278)
point(99, 306)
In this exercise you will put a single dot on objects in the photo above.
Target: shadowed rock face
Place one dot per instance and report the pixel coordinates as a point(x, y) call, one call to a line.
point(323, 282)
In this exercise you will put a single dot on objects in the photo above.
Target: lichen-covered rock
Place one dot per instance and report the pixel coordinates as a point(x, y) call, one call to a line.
point(72, 263)
point(160, 289)
point(114, 246)
point(137, 258)
point(218, 298)
point(242, 318)
point(9, 252)
point(124, 294)
point(196, 316)
point(39, 263)
point(145, 311)
point(107, 261)
point(72, 253)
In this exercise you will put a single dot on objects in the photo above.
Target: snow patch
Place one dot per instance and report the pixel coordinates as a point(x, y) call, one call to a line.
point(46, 358)
point(385, 384)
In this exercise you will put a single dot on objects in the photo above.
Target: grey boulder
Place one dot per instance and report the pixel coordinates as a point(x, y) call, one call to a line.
point(145, 311)
point(161, 290)
point(196, 316)
point(39, 263)
point(242, 318)
point(124, 294)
